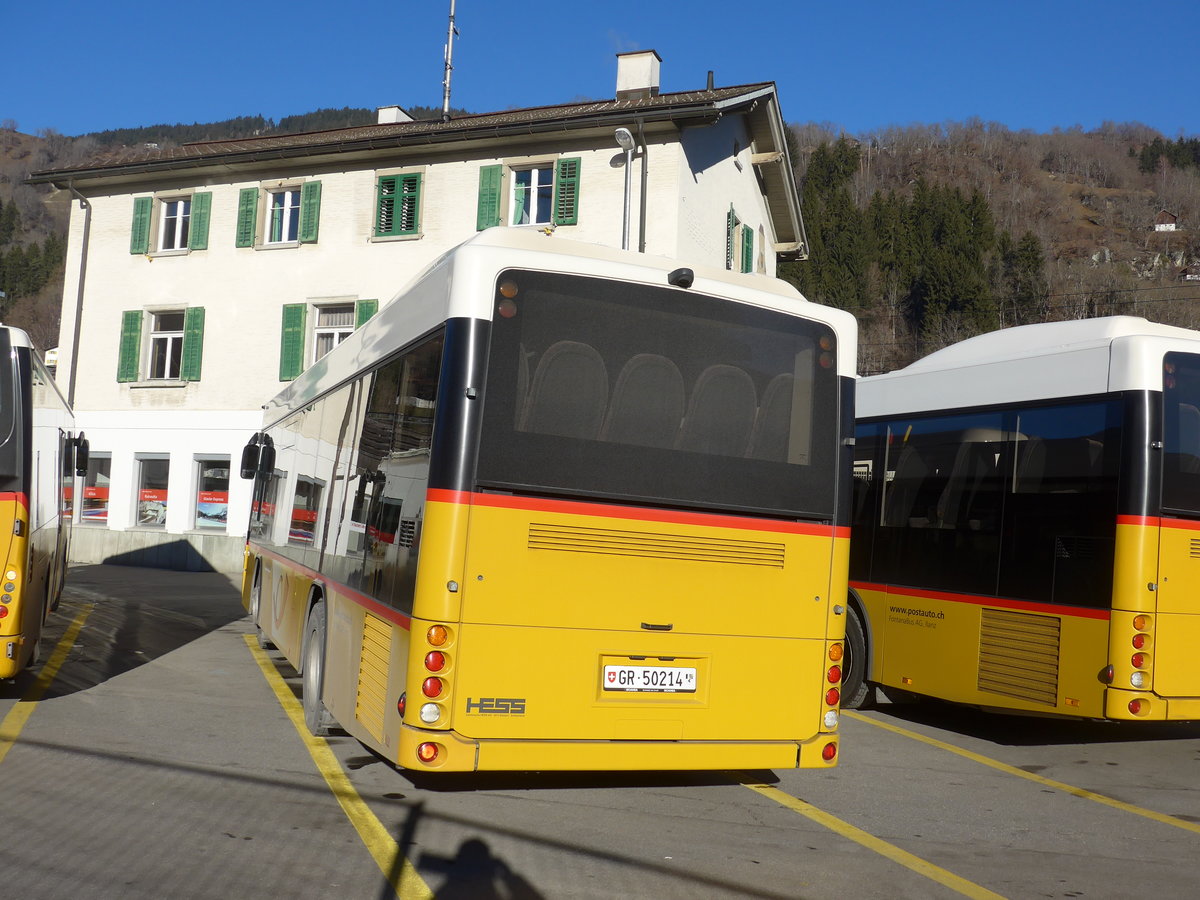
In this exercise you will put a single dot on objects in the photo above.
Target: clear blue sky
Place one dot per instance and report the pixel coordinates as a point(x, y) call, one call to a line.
point(88, 65)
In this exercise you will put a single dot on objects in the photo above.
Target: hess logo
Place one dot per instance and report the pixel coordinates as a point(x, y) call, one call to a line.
point(496, 706)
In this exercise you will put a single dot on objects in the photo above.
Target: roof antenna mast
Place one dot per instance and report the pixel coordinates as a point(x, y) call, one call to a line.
point(449, 66)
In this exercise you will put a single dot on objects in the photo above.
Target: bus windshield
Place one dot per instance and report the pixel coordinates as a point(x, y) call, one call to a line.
point(10, 450)
point(1181, 433)
point(656, 395)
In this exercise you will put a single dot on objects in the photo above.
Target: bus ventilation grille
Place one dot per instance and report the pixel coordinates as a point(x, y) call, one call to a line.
point(1018, 655)
point(656, 546)
point(372, 675)
point(1194, 548)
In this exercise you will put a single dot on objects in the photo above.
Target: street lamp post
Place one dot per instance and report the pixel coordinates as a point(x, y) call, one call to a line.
point(625, 139)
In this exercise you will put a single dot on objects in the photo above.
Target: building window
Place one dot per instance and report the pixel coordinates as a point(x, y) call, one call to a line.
point(152, 491)
point(166, 344)
point(398, 205)
point(95, 489)
point(178, 223)
point(212, 493)
point(541, 194)
point(283, 216)
point(175, 217)
point(309, 337)
point(334, 324)
point(532, 198)
point(174, 350)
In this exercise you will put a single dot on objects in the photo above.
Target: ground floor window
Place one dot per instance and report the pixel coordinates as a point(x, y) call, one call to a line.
point(95, 489)
point(153, 474)
point(212, 493)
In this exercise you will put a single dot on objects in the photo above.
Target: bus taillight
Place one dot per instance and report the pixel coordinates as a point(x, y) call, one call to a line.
point(431, 687)
point(833, 696)
point(835, 652)
point(3, 611)
point(435, 660)
point(828, 752)
point(437, 635)
point(1139, 641)
point(427, 752)
point(834, 675)
point(1139, 660)
point(1139, 706)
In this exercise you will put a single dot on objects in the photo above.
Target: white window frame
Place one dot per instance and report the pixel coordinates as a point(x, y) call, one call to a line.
point(289, 216)
point(140, 460)
point(174, 223)
point(199, 464)
point(338, 332)
point(172, 339)
point(539, 169)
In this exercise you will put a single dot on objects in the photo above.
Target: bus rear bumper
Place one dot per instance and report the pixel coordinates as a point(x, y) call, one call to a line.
point(1154, 708)
point(458, 754)
point(10, 655)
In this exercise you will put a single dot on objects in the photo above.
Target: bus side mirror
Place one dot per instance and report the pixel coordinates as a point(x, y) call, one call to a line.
point(82, 454)
point(250, 455)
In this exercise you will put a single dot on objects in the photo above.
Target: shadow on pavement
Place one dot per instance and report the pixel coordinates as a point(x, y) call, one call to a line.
point(137, 615)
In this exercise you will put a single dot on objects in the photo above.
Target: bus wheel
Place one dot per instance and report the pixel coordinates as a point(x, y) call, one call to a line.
point(255, 608)
point(316, 716)
point(857, 693)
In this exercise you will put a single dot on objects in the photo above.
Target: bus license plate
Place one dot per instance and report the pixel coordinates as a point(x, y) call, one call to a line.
point(654, 679)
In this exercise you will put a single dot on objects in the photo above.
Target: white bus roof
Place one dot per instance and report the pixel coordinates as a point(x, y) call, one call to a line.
point(1030, 362)
point(449, 288)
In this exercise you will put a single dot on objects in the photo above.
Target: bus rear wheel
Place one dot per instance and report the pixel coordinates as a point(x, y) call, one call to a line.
point(316, 716)
point(857, 692)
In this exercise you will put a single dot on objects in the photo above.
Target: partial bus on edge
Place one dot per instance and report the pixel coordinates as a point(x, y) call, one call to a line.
point(558, 506)
point(1026, 533)
point(40, 455)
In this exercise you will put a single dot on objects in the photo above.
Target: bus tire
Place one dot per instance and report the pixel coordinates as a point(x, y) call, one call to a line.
point(255, 610)
point(316, 716)
point(857, 692)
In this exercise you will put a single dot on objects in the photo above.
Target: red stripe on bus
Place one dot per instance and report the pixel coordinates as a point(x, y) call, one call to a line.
point(1146, 521)
point(16, 497)
point(746, 523)
point(1181, 524)
point(370, 603)
point(1026, 605)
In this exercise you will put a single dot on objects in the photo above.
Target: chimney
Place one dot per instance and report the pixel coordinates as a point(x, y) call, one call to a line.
point(637, 74)
point(390, 115)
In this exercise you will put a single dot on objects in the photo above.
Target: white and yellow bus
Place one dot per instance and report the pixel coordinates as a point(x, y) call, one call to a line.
point(558, 506)
point(1026, 533)
point(39, 457)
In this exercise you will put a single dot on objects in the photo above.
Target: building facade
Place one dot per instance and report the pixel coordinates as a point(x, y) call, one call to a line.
point(201, 279)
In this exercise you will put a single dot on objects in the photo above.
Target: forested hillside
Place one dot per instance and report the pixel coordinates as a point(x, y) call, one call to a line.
point(930, 234)
point(927, 233)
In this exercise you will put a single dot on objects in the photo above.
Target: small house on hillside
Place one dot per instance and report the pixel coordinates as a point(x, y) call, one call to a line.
point(1165, 221)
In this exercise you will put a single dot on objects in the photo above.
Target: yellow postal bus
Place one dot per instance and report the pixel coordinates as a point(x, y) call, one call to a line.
point(563, 507)
point(1026, 533)
point(39, 456)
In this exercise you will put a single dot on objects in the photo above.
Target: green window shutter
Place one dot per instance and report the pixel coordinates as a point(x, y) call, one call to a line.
point(410, 204)
point(310, 211)
point(291, 347)
point(488, 213)
point(399, 205)
point(131, 345)
point(198, 230)
point(193, 343)
point(364, 310)
point(139, 240)
point(385, 208)
point(731, 222)
point(247, 217)
point(747, 249)
point(566, 192)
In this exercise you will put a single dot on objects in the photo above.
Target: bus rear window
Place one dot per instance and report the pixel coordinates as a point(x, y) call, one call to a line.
point(658, 395)
point(1181, 432)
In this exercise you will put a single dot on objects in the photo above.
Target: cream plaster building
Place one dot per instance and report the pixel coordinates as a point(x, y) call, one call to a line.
point(201, 279)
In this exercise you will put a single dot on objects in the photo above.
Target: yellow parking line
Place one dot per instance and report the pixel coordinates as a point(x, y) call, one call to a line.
point(878, 845)
point(404, 879)
point(11, 727)
point(1038, 779)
